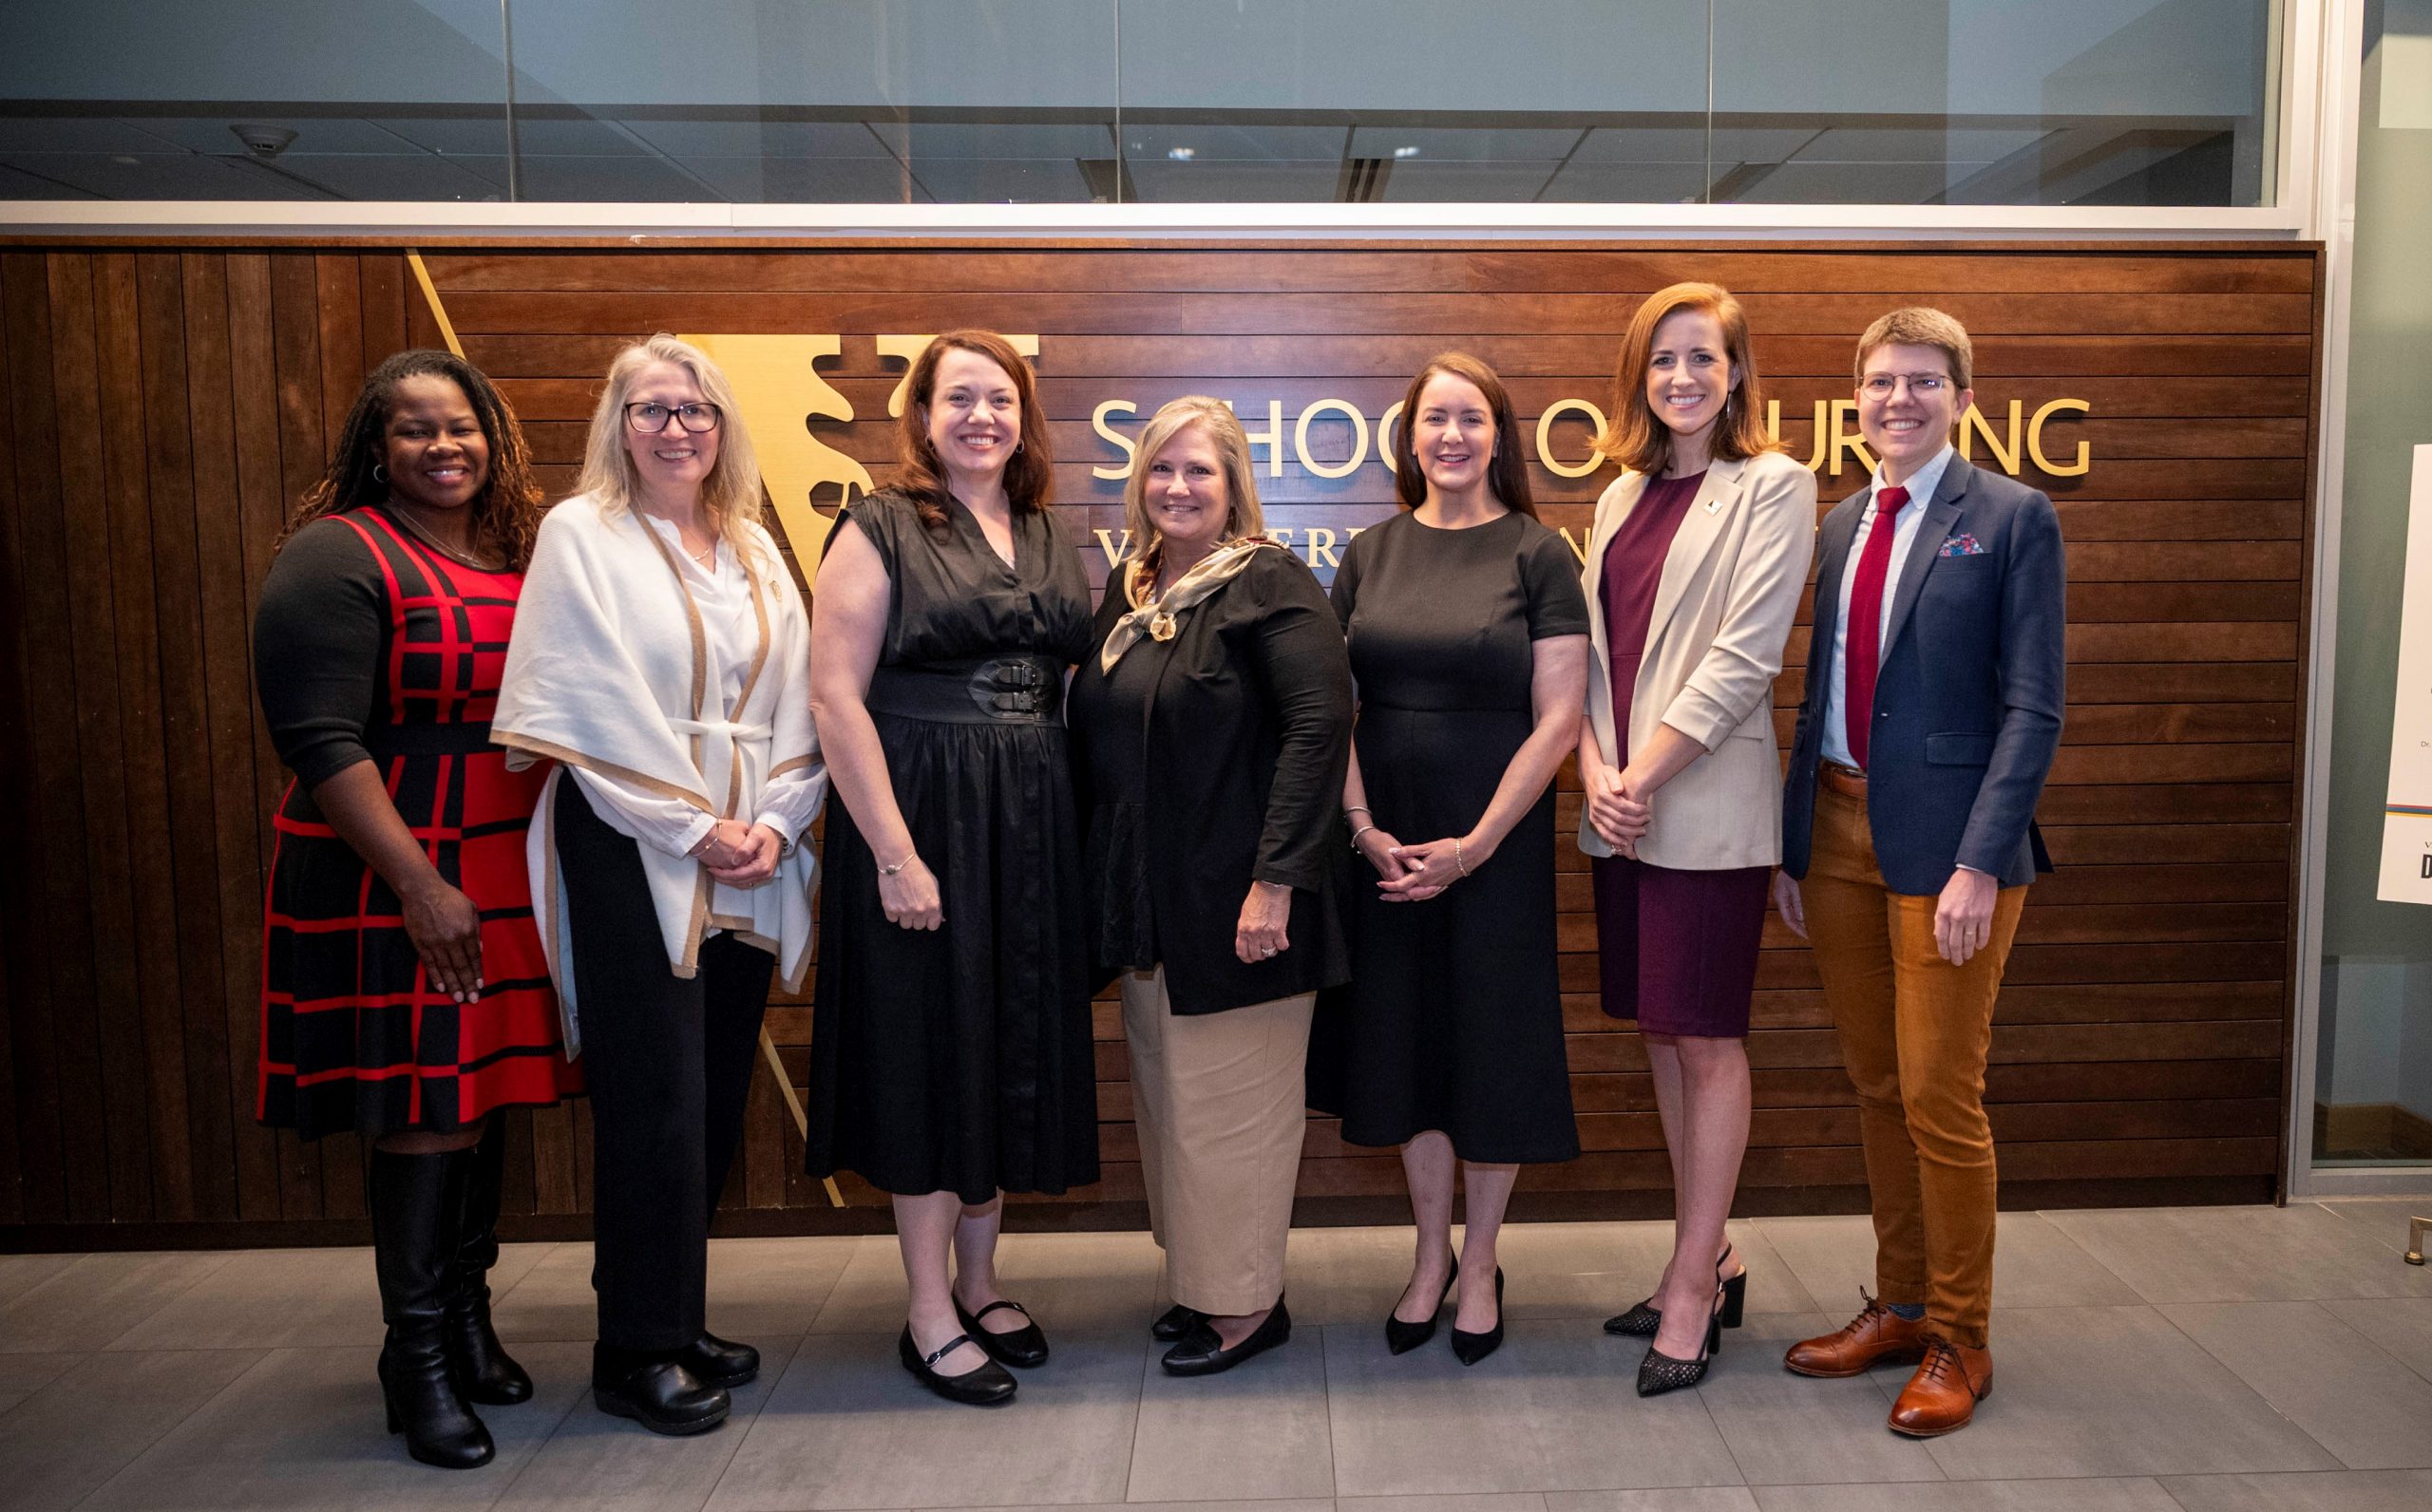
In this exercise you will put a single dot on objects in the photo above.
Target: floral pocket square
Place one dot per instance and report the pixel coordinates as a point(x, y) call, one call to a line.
point(1962, 544)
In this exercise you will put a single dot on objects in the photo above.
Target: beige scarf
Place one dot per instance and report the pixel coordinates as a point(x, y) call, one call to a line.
point(1158, 618)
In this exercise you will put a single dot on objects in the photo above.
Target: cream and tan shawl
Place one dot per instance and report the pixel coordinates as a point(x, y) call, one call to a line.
point(609, 670)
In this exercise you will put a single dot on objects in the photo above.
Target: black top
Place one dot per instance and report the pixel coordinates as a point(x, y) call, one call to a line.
point(1456, 631)
point(318, 638)
point(1210, 761)
point(970, 601)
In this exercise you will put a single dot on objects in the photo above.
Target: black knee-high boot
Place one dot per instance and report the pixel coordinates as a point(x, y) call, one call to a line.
point(485, 1372)
point(416, 1203)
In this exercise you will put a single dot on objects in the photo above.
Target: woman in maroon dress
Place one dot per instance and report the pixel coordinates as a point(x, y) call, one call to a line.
point(405, 996)
point(1695, 564)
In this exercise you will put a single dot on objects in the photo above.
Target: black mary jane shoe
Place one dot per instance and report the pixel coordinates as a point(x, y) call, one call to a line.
point(1175, 1323)
point(1400, 1337)
point(1202, 1350)
point(656, 1391)
point(1660, 1372)
point(1643, 1320)
point(1022, 1348)
point(1470, 1347)
point(990, 1384)
point(714, 1361)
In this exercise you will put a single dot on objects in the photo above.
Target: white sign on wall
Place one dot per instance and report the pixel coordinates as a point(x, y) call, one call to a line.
point(2406, 821)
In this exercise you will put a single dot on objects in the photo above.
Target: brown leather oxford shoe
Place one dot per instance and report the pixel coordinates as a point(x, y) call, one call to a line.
point(1942, 1396)
point(1874, 1336)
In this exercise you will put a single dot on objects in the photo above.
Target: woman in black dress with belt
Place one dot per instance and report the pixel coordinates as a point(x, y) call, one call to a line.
point(950, 1051)
point(1469, 641)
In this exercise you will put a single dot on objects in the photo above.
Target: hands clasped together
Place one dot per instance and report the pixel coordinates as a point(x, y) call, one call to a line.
point(1414, 874)
point(1618, 808)
point(740, 855)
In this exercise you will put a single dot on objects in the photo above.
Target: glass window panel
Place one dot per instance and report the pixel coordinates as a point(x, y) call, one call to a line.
point(2090, 102)
point(1989, 101)
point(2373, 1055)
point(125, 100)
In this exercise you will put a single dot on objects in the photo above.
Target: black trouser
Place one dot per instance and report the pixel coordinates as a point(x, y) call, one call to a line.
point(669, 1063)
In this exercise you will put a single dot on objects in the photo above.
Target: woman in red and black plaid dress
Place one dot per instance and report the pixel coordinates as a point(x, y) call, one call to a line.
point(405, 996)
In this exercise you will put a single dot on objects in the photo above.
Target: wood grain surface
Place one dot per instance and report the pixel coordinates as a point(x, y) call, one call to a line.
point(170, 401)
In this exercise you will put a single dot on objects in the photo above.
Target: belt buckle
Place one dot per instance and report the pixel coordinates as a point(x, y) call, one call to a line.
point(1011, 687)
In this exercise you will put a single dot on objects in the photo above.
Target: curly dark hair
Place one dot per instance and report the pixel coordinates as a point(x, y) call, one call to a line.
point(922, 478)
point(506, 512)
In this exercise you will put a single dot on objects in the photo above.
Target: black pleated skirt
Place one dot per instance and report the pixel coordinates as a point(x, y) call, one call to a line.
point(960, 1059)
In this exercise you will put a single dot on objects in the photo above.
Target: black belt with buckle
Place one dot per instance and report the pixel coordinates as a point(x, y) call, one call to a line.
point(977, 691)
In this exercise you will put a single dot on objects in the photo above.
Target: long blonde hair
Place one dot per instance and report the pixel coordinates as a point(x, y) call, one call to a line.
point(730, 495)
point(1242, 516)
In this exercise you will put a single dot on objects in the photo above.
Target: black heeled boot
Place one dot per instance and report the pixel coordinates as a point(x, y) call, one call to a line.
point(485, 1372)
point(416, 1201)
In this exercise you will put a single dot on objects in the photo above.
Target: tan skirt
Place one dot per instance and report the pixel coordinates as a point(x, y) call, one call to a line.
point(1218, 1099)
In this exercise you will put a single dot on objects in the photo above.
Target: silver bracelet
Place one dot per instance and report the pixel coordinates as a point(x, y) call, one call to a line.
point(1459, 864)
point(889, 870)
point(1357, 833)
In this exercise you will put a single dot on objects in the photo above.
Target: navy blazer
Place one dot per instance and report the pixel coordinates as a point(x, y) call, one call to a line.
point(1968, 699)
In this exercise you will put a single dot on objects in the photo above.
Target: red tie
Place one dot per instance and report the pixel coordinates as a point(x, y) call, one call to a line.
point(1866, 623)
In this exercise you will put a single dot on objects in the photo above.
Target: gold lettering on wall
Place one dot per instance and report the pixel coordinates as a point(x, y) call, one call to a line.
point(1358, 438)
point(778, 388)
point(1122, 443)
point(2035, 440)
point(1545, 432)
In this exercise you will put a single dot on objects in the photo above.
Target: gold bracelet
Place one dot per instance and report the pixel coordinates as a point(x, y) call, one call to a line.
point(1459, 864)
point(889, 870)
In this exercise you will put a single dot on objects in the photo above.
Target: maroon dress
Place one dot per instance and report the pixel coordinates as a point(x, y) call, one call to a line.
point(1678, 948)
point(372, 646)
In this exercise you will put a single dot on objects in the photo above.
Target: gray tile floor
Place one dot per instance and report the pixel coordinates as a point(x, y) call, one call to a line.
point(2177, 1360)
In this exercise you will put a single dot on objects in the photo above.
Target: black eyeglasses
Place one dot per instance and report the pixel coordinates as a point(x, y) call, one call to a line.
point(650, 417)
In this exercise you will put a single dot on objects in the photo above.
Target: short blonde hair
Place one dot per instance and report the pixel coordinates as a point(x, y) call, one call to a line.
point(1922, 326)
point(730, 495)
point(1214, 420)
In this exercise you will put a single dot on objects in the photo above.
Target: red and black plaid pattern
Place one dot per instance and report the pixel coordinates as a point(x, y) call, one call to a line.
point(354, 1036)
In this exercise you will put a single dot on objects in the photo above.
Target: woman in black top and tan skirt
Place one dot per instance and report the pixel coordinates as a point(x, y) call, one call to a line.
point(1214, 727)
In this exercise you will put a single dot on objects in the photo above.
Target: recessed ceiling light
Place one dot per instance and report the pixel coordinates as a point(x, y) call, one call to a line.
point(1405, 152)
point(1181, 154)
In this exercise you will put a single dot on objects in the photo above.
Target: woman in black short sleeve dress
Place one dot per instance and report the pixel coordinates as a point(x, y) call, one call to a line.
point(950, 1050)
point(1467, 638)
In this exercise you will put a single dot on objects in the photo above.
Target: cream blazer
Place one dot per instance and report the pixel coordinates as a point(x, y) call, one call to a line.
point(1714, 645)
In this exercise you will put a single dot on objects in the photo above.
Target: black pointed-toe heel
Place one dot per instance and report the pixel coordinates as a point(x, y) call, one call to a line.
point(1402, 1337)
point(1640, 1321)
point(1660, 1372)
point(1644, 1319)
point(988, 1386)
point(1470, 1347)
point(1023, 1346)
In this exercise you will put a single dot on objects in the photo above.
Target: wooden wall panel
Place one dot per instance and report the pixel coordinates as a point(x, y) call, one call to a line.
point(184, 395)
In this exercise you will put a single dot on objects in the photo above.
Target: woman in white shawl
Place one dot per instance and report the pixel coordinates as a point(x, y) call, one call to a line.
point(661, 656)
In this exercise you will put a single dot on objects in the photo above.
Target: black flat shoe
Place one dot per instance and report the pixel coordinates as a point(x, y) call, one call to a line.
point(1175, 1322)
point(1400, 1337)
point(657, 1392)
point(1470, 1347)
point(991, 1385)
point(1202, 1350)
point(1023, 1346)
point(1660, 1372)
point(714, 1361)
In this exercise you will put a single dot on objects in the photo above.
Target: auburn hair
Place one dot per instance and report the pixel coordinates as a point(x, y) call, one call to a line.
point(506, 512)
point(922, 477)
point(1636, 435)
point(1507, 471)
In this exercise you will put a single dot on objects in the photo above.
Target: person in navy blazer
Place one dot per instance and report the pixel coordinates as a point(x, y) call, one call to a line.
point(1928, 722)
